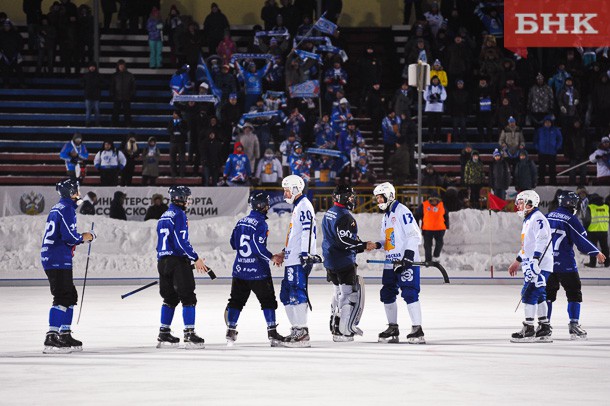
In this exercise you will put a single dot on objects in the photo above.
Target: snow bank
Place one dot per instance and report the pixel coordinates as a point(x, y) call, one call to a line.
point(126, 249)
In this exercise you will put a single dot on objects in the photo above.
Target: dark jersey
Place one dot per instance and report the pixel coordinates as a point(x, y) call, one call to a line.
point(249, 239)
point(60, 236)
point(173, 235)
point(341, 242)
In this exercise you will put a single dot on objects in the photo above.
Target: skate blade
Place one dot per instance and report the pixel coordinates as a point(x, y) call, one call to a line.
point(575, 337)
point(389, 340)
point(194, 346)
point(342, 339)
point(57, 350)
point(298, 344)
point(522, 340)
point(543, 340)
point(164, 345)
point(77, 348)
point(230, 343)
point(275, 343)
point(416, 340)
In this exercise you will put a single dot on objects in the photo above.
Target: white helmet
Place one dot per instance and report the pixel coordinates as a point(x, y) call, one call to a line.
point(529, 198)
point(295, 184)
point(387, 190)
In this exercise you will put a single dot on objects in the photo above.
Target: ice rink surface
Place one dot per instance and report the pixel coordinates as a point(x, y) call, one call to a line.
point(468, 359)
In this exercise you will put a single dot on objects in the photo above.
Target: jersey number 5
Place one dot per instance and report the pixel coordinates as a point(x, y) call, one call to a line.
point(244, 246)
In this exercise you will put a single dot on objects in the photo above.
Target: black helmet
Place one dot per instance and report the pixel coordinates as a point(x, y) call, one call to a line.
point(179, 194)
point(67, 187)
point(259, 201)
point(568, 199)
point(344, 194)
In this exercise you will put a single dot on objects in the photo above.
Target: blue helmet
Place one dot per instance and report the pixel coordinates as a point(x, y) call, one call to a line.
point(259, 201)
point(185, 68)
point(568, 199)
point(179, 194)
point(67, 188)
point(344, 194)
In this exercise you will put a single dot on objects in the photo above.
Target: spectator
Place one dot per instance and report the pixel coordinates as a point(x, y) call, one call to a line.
point(211, 152)
point(131, 152)
point(558, 80)
point(68, 37)
point(109, 162)
point(400, 163)
point(458, 59)
point(237, 168)
point(177, 131)
point(452, 201)
point(11, 45)
point(525, 173)
point(156, 209)
point(435, 96)
point(511, 141)
point(513, 93)
point(192, 42)
point(458, 103)
point(92, 84)
point(214, 27)
point(253, 82)
point(419, 53)
point(324, 134)
point(437, 70)
point(583, 202)
point(408, 5)
point(269, 14)
point(375, 103)
point(89, 202)
point(434, 222)
point(295, 122)
point(485, 111)
point(390, 127)
point(74, 153)
point(172, 23)
point(434, 19)
point(505, 112)
point(251, 145)
point(108, 8)
point(474, 176)
point(369, 71)
point(499, 175)
point(150, 163)
point(568, 100)
point(47, 42)
point(362, 172)
point(84, 37)
point(33, 13)
point(547, 141)
point(335, 79)
point(540, 101)
point(154, 26)
point(122, 92)
point(226, 48)
point(601, 156)
point(600, 105)
point(465, 156)
point(492, 20)
point(340, 116)
point(117, 209)
point(349, 138)
point(575, 140)
point(596, 222)
point(402, 100)
point(269, 169)
point(227, 84)
point(300, 164)
point(431, 180)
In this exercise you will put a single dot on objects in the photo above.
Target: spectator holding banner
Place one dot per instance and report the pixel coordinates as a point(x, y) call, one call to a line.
point(73, 153)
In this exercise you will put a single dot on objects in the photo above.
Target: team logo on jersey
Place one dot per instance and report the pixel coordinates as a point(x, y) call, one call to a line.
point(390, 242)
point(393, 220)
point(406, 275)
point(238, 268)
point(31, 203)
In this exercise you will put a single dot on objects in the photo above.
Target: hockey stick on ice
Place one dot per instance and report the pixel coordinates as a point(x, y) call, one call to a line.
point(82, 296)
point(139, 289)
point(432, 264)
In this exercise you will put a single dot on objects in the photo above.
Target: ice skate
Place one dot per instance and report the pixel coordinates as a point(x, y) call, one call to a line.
point(299, 338)
point(577, 332)
point(166, 339)
point(390, 335)
point(54, 345)
point(543, 333)
point(66, 337)
point(526, 335)
point(274, 337)
point(340, 338)
point(416, 336)
point(192, 341)
point(231, 336)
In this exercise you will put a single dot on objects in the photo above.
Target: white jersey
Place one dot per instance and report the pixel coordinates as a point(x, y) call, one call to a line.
point(399, 232)
point(301, 235)
point(535, 238)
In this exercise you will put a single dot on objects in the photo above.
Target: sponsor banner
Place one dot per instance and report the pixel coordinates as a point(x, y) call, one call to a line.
point(206, 201)
point(310, 88)
point(551, 23)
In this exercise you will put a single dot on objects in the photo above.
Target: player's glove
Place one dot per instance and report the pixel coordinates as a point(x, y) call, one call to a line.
point(531, 270)
point(307, 259)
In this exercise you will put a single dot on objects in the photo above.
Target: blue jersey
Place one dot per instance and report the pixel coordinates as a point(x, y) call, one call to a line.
point(173, 235)
point(237, 168)
point(180, 83)
point(81, 151)
point(60, 236)
point(249, 239)
point(567, 231)
point(341, 242)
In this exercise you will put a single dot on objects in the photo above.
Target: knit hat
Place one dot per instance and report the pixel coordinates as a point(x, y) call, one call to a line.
point(437, 62)
point(343, 101)
point(605, 139)
point(511, 119)
point(496, 153)
point(474, 152)
point(549, 117)
point(233, 96)
point(204, 85)
point(539, 76)
point(78, 136)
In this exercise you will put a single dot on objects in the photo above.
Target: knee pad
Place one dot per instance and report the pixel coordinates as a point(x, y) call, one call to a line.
point(551, 294)
point(388, 293)
point(189, 300)
point(410, 295)
point(284, 294)
point(269, 303)
point(574, 296)
point(351, 311)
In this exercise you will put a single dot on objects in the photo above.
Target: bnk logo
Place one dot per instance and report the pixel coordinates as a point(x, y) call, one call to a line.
point(551, 23)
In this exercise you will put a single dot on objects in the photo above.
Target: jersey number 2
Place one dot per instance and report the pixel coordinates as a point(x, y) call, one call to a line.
point(50, 229)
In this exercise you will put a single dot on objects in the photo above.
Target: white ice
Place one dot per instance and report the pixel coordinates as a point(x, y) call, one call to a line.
point(468, 359)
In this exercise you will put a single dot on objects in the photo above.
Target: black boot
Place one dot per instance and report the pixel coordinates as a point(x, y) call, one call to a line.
point(577, 332)
point(526, 335)
point(390, 335)
point(231, 336)
point(66, 337)
point(191, 340)
point(416, 336)
point(275, 338)
point(544, 332)
point(166, 339)
point(54, 345)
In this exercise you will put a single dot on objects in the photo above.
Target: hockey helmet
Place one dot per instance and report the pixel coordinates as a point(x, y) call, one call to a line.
point(568, 199)
point(388, 192)
point(528, 198)
point(344, 195)
point(67, 188)
point(295, 185)
point(179, 194)
point(259, 201)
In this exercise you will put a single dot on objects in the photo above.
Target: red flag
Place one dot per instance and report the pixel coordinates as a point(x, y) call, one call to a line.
point(495, 203)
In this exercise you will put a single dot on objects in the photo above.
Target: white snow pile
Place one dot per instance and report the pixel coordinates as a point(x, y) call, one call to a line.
point(126, 249)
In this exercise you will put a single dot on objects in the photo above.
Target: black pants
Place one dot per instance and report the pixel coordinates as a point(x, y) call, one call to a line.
point(262, 288)
point(598, 238)
point(176, 281)
point(388, 150)
point(176, 158)
point(570, 282)
point(109, 177)
point(343, 276)
point(429, 237)
point(475, 196)
point(149, 180)
point(434, 126)
point(118, 107)
point(62, 287)
point(545, 161)
point(485, 125)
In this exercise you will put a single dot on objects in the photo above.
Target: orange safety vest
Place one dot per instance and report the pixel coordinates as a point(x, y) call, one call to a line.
point(434, 217)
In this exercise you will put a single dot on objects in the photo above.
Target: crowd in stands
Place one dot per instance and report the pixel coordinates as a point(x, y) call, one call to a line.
point(553, 99)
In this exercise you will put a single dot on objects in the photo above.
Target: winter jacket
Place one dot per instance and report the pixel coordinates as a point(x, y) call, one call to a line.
point(150, 161)
point(568, 100)
point(499, 174)
point(122, 86)
point(458, 102)
point(510, 140)
point(154, 26)
point(435, 97)
point(92, 84)
point(177, 131)
point(526, 174)
point(540, 99)
point(402, 102)
point(111, 159)
point(117, 211)
point(390, 128)
point(237, 167)
point(474, 173)
point(215, 25)
point(548, 140)
point(70, 160)
point(269, 170)
point(251, 148)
